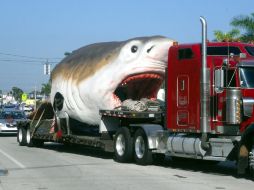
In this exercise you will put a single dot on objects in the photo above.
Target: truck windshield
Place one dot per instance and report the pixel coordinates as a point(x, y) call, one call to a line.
point(250, 50)
point(222, 50)
point(246, 75)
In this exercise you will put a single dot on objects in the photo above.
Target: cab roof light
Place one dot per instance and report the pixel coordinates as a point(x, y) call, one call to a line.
point(175, 43)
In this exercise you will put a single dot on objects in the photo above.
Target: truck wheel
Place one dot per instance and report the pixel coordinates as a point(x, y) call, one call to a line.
point(245, 153)
point(251, 162)
point(142, 154)
point(123, 145)
point(21, 136)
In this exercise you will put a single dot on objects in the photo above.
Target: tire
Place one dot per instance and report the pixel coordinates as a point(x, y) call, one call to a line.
point(28, 137)
point(251, 163)
point(123, 145)
point(142, 154)
point(21, 136)
point(245, 162)
point(33, 142)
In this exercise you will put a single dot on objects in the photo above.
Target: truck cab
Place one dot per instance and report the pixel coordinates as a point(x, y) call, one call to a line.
point(229, 99)
point(230, 66)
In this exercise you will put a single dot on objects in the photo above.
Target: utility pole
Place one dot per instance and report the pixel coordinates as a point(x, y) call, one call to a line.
point(1, 94)
point(35, 98)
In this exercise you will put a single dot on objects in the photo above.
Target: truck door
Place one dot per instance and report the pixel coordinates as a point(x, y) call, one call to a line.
point(182, 100)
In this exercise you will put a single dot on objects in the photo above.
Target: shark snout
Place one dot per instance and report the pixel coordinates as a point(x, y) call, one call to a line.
point(159, 51)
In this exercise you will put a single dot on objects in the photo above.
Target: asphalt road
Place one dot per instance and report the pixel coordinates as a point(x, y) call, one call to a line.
point(70, 168)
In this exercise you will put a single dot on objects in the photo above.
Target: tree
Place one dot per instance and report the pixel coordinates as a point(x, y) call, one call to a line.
point(46, 88)
point(232, 35)
point(67, 54)
point(17, 93)
point(247, 24)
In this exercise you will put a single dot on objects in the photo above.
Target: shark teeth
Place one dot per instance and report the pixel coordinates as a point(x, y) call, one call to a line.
point(116, 100)
point(141, 76)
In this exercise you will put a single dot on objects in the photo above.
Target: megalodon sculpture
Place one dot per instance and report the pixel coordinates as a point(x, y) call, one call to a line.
point(102, 75)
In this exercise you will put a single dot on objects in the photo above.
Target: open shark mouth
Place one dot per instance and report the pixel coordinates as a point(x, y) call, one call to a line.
point(142, 85)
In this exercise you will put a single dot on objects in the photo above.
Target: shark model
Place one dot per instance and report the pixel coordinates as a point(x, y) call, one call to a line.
point(102, 75)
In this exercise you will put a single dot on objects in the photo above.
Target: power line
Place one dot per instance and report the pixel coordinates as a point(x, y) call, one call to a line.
point(30, 57)
point(26, 61)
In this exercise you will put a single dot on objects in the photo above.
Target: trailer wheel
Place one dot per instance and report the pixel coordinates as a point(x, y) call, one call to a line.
point(123, 145)
point(21, 136)
point(142, 154)
point(28, 137)
point(33, 142)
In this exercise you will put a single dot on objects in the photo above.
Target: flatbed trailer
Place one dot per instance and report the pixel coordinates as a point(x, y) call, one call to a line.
point(56, 128)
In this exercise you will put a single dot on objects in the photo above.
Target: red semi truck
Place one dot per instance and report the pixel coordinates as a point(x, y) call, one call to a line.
point(208, 115)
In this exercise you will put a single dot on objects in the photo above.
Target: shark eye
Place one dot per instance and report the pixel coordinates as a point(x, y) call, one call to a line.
point(134, 49)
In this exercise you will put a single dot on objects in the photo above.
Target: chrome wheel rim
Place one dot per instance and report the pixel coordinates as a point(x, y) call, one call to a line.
point(28, 136)
point(20, 135)
point(120, 145)
point(251, 159)
point(140, 147)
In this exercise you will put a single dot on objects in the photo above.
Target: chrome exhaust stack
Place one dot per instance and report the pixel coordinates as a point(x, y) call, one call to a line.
point(204, 90)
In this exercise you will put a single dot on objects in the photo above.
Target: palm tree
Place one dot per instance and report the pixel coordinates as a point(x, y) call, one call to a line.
point(247, 24)
point(17, 93)
point(232, 35)
point(46, 88)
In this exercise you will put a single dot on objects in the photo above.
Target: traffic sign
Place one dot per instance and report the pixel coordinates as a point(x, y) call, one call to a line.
point(24, 97)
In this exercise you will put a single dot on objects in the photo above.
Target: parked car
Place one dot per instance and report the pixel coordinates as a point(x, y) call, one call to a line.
point(8, 120)
point(27, 109)
point(9, 107)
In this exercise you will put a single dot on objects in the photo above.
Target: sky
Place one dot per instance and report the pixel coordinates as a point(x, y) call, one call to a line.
point(34, 31)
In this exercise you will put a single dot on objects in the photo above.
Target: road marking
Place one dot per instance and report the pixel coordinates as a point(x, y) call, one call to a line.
point(13, 159)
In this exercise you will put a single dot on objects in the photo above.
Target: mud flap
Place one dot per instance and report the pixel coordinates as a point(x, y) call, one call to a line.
point(242, 164)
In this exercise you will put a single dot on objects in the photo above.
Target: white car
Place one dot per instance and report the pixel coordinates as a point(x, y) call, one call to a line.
point(8, 121)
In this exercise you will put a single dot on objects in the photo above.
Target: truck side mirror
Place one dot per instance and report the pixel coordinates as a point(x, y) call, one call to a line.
point(219, 80)
point(242, 55)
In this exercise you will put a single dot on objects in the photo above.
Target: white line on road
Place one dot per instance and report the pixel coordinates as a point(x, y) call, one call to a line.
point(13, 159)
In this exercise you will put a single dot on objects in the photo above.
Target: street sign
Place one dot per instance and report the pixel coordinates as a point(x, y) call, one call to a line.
point(24, 97)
